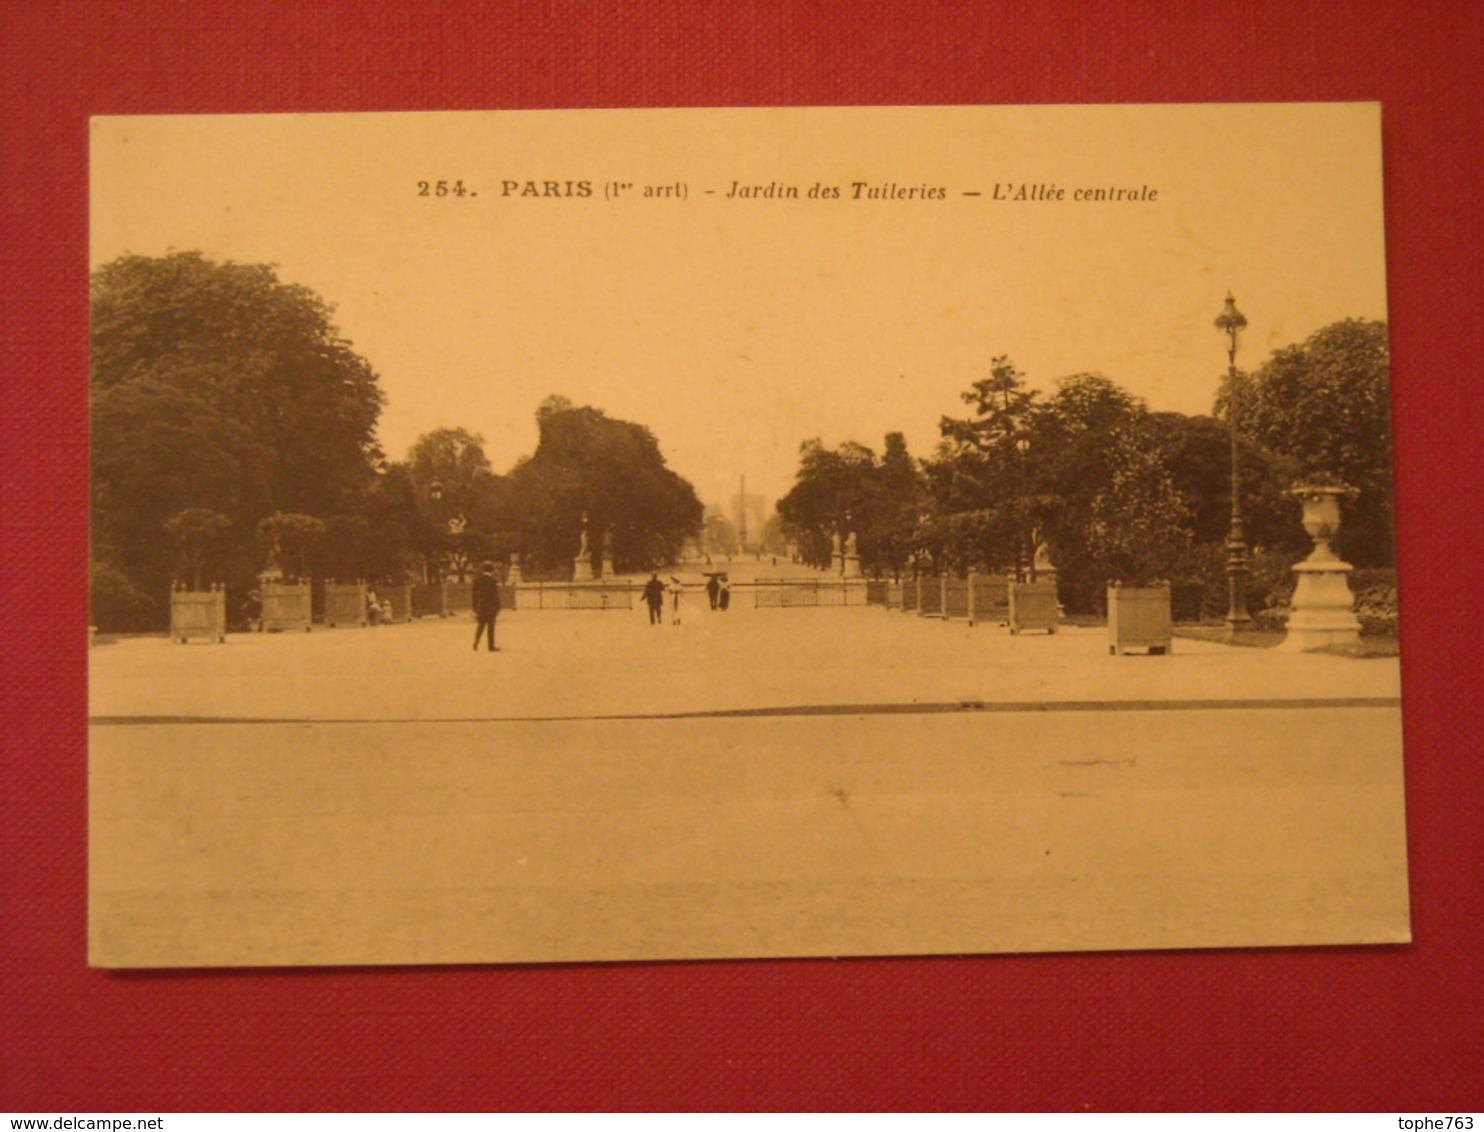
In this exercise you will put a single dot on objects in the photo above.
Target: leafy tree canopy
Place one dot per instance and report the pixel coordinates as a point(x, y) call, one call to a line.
point(262, 353)
point(612, 471)
point(1325, 406)
point(452, 477)
point(846, 489)
point(216, 386)
point(1139, 532)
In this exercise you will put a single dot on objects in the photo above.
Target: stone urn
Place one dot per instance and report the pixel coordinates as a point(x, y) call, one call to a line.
point(1323, 606)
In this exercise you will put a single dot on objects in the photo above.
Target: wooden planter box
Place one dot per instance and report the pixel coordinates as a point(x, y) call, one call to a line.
point(1033, 605)
point(1139, 618)
point(345, 604)
point(911, 593)
point(458, 597)
point(929, 596)
point(956, 600)
point(427, 601)
point(198, 613)
point(991, 597)
point(399, 597)
point(286, 605)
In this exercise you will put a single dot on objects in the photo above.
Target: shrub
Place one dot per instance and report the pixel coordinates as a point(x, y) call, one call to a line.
point(1376, 602)
point(117, 605)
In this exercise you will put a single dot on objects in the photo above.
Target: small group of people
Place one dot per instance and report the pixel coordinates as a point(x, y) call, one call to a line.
point(378, 611)
point(655, 592)
point(719, 591)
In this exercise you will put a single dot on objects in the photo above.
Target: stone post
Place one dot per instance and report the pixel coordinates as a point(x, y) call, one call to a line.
point(606, 570)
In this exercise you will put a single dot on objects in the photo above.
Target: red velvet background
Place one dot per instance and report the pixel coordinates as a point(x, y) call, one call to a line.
point(1371, 1028)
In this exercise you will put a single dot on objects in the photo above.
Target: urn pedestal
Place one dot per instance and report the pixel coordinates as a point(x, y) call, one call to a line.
point(1323, 607)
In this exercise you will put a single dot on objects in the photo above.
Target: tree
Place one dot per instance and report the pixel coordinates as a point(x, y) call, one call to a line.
point(197, 532)
point(399, 535)
point(1197, 451)
point(977, 479)
point(1325, 405)
point(832, 491)
point(895, 501)
point(848, 490)
point(449, 466)
point(1069, 463)
point(265, 353)
point(216, 386)
point(158, 450)
point(1139, 531)
point(773, 538)
point(718, 536)
point(456, 493)
point(291, 540)
point(609, 470)
point(1002, 408)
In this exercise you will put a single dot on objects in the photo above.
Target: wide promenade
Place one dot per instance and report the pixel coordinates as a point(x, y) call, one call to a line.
point(756, 782)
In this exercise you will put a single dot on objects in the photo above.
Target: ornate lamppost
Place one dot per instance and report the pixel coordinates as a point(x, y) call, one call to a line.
point(435, 495)
point(1231, 322)
point(1022, 560)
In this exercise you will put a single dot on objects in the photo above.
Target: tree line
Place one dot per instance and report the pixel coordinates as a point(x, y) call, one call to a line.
point(1113, 490)
point(233, 427)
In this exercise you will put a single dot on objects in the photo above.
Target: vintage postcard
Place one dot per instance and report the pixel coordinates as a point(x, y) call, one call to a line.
point(684, 534)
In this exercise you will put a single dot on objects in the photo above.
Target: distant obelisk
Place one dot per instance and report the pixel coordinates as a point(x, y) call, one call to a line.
point(742, 516)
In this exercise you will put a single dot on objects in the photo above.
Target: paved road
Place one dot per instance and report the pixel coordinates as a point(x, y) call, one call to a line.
point(387, 796)
point(585, 664)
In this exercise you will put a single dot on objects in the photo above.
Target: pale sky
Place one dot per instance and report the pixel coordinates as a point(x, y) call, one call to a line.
point(736, 328)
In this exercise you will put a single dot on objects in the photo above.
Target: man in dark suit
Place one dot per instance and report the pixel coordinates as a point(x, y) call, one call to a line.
point(654, 597)
point(486, 604)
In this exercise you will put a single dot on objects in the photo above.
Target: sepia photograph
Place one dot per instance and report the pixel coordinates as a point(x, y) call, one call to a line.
point(614, 535)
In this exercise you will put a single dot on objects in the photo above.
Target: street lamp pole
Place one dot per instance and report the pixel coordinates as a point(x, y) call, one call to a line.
point(1231, 322)
point(1022, 539)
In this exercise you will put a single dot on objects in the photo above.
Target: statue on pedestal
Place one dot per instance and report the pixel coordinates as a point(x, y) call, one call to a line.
point(850, 561)
point(582, 565)
point(1041, 568)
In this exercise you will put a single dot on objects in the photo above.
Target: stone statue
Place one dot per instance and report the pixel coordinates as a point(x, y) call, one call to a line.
point(582, 565)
